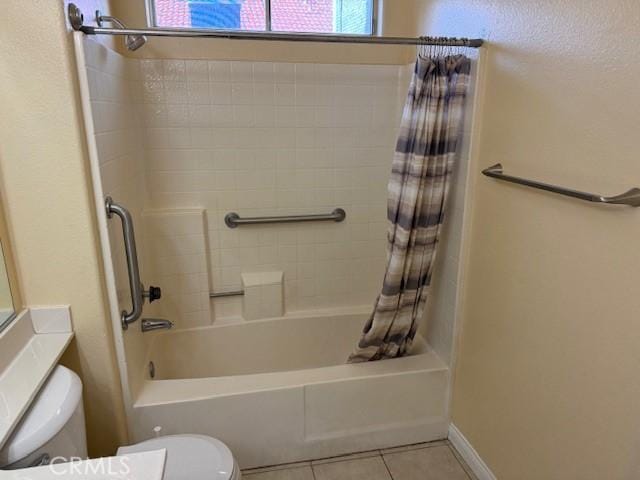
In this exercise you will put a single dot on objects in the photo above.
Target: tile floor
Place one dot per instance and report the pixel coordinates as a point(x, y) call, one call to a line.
point(424, 461)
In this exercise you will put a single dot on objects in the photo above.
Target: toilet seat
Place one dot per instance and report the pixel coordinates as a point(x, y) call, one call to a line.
point(191, 457)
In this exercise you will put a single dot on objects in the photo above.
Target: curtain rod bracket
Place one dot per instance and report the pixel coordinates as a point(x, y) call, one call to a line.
point(76, 18)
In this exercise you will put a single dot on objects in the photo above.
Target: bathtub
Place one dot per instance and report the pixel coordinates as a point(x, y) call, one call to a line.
point(278, 390)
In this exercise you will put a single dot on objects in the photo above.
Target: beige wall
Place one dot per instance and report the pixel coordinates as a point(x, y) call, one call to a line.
point(48, 204)
point(397, 21)
point(547, 380)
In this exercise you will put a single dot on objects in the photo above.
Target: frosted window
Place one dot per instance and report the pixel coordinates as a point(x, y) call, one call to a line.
point(313, 16)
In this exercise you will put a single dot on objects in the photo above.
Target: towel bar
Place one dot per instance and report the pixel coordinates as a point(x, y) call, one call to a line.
point(630, 197)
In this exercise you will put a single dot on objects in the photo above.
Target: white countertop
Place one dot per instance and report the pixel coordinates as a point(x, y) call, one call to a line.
point(30, 348)
point(133, 466)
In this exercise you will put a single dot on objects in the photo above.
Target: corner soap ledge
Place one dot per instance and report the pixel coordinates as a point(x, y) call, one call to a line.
point(34, 343)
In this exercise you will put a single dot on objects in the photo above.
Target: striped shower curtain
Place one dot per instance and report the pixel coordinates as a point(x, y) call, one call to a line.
point(420, 175)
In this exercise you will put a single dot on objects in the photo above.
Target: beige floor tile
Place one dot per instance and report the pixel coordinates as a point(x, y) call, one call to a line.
point(437, 463)
point(284, 466)
point(343, 458)
point(372, 468)
point(300, 473)
point(461, 461)
point(415, 446)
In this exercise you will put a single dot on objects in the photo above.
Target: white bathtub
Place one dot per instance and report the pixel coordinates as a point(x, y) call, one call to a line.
point(278, 390)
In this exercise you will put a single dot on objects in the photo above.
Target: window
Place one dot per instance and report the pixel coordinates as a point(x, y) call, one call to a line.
point(308, 16)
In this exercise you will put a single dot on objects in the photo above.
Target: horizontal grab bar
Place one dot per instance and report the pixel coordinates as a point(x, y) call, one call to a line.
point(233, 219)
point(235, 293)
point(630, 197)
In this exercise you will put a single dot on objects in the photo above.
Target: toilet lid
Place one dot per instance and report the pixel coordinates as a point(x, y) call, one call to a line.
point(49, 412)
point(189, 457)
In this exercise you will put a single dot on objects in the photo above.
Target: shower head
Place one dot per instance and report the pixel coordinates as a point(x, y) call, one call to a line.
point(132, 42)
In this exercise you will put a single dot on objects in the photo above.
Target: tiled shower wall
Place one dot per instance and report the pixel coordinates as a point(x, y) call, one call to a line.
point(178, 138)
point(270, 139)
point(181, 143)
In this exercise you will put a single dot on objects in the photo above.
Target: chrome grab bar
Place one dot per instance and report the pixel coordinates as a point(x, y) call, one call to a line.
point(138, 293)
point(235, 293)
point(630, 197)
point(232, 220)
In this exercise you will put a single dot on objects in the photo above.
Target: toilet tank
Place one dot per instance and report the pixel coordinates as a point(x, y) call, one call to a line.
point(53, 427)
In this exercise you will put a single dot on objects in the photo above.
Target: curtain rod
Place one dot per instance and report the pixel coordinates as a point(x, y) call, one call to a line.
point(76, 19)
point(289, 37)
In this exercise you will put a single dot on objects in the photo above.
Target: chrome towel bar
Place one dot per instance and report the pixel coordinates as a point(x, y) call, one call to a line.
point(630, 197)
point(232, 219)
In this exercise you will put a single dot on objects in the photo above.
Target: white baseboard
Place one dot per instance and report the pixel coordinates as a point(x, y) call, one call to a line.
point(469, 454)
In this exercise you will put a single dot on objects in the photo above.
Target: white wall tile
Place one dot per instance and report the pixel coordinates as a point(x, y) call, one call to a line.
point(264, 72)
point(219, 71)
point(197, 71)
point(174, 71)
point(241, 72)
point(179, 252)
point(265, 138)
point(285, 72)
point(198, 93)
point(220, 93)
point(175, 92)
point(242, 93)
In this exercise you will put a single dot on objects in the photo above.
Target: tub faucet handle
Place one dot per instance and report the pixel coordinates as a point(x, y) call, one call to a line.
point(154, 293)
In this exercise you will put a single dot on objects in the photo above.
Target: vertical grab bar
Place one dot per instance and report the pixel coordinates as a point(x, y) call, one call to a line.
point(138, 293)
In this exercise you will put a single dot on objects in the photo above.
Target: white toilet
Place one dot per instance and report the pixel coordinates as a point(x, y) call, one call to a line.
point(54, 427)
point(191, 457)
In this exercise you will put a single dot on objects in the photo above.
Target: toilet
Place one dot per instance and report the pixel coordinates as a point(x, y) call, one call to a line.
point(191, 457)
point(54, 428)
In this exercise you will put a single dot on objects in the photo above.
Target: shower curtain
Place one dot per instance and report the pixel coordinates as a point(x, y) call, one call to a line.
point(418, 186)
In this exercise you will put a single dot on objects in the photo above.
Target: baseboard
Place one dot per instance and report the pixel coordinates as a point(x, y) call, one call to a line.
point(469, 454)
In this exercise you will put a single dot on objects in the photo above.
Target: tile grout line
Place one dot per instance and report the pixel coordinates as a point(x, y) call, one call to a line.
point(345, 457)
point(277, 467)
point(373, 454)
point(460, 461)
point(412, 447)
point(386, 466)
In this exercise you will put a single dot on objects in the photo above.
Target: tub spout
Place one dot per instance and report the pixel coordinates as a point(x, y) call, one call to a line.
point(150, 324)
